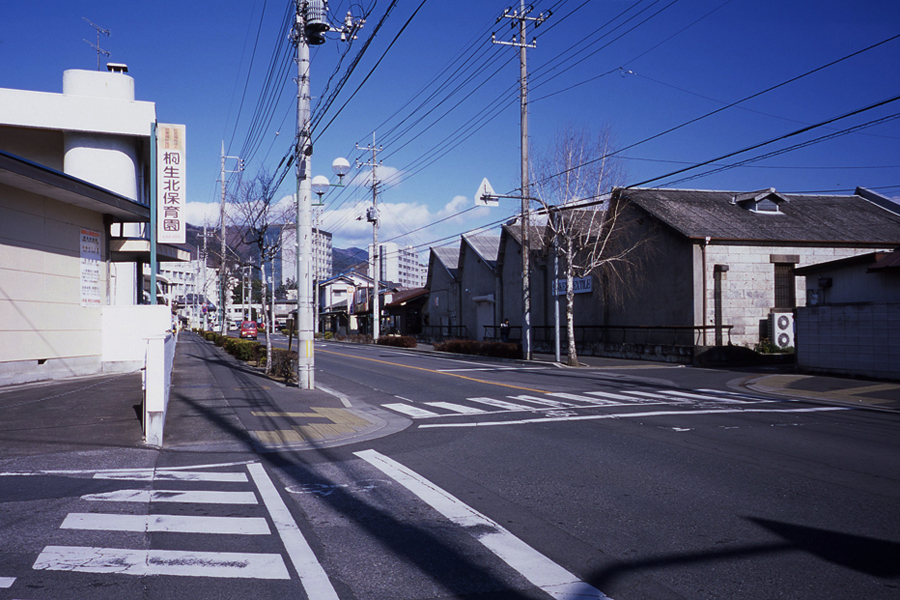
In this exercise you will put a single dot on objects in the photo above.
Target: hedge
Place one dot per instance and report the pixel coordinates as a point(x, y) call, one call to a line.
point(495, 349)
point(398, 341)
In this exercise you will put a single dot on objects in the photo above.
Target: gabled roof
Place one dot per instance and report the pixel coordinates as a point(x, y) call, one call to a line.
point(726, 215)
point(448, 256)
point(486, 246)
point(536, 234)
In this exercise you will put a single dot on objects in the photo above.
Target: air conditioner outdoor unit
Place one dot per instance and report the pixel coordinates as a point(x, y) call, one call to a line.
point(781, 329)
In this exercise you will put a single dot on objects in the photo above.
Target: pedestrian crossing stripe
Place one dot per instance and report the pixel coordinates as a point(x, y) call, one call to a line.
point(566, 400)
point(167, 523)
point(123, 561)
point(164, 475)
point(182, 496)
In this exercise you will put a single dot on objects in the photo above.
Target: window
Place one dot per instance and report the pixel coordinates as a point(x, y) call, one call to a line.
point(785, 295)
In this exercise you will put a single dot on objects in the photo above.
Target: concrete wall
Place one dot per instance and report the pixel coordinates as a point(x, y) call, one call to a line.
point(858, 339)
point(46, 332)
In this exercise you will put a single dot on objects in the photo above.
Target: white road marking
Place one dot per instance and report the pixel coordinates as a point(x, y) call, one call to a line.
point(542, 401)
point(167, 523)
point(747, 397)
point(312, 576)
point(531, 564)
point(636, 415)
point(500, 404)
point(706, 398)
point(587, 399)
point(411, 411)
point(167, 475)
point(654, 395)
point(41, 473)
point(612, 396)
point(197, 496)
point(162, 562)
point(7, 582)
point(457, 408)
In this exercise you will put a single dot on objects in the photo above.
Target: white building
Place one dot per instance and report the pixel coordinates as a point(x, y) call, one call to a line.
point(399, 265)
point(322, 255)
point(74, 200)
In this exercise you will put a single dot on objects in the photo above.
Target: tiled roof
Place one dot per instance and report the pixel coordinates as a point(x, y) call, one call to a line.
point(726, 215)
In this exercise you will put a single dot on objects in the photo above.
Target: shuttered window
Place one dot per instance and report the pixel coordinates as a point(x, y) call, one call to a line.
point(785, 295)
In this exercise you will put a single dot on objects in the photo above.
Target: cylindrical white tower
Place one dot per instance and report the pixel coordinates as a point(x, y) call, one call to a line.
point(109, 161)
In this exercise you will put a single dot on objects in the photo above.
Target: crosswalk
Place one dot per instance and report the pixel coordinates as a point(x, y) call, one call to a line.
point(124, 511)
point(566, 401)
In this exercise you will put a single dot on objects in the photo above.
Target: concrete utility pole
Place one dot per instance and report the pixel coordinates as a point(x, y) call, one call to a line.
point(372, 217)
point(522, 44)
point(310, 26)
point(223, 274)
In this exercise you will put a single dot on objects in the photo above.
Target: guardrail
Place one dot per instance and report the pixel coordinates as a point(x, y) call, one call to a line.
point(443, 332)
point(157, 383)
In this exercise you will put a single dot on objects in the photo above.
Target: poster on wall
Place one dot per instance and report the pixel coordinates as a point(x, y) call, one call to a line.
point(90, 268)
point(170, 197)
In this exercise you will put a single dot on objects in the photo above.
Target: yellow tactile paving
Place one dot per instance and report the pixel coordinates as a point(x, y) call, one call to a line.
point(341, 423)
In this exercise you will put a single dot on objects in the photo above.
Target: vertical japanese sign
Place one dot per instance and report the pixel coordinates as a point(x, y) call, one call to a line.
point(170, 205)
point(90, 267)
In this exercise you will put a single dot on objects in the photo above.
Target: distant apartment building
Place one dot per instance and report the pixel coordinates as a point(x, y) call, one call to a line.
point(399, 265)
point(286, 268)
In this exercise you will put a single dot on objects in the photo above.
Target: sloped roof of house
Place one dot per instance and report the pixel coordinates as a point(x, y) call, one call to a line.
point(536, 234)
point(401, 298)
point(728, 215)
point(487, 247)
point(449, 257)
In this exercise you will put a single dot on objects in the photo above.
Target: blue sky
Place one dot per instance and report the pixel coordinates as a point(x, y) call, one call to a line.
point(641, 67)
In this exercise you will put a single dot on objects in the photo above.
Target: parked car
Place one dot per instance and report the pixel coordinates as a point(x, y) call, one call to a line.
point(248, 330)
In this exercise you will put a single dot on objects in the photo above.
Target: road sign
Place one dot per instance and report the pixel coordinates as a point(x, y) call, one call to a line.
point(485, 195)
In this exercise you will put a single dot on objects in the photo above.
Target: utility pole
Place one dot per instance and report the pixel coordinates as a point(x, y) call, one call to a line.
point(223, 272)
point(521, 42)
point(310, 26)
point(372, 217)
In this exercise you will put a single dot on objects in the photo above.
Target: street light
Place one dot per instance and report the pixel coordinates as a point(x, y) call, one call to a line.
point(340, 167)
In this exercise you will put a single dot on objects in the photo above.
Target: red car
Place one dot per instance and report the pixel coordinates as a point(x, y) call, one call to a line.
point(248, 330)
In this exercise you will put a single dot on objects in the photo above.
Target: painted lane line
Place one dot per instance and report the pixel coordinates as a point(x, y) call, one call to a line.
point(492, 369)
point(411, 411)
point(198, 497)
point(704, 397)
point(457, 408)
point(500, 404)
point(167, 475)
point(637, 415)
point(612, 396)
point(657, 396)
point(167, 523)
point(542, 401)
point(531, 564)
point(123, 561)
point(587, 399)
point(312, 576)
point(747, 397)
point(94, 472)
point(7, 582)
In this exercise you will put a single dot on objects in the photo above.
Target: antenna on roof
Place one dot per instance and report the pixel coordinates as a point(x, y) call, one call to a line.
point(97, 45)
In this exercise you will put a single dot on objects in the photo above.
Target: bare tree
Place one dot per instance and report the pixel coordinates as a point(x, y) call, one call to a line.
point(574, 181)
point(260, 219)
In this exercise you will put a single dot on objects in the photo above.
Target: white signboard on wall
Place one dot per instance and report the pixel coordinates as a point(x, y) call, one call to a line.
point(170, 196)
point(580, 285)
point(90, 267)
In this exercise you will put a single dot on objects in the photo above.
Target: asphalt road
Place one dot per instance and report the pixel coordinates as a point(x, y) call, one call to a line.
point(487, 481)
